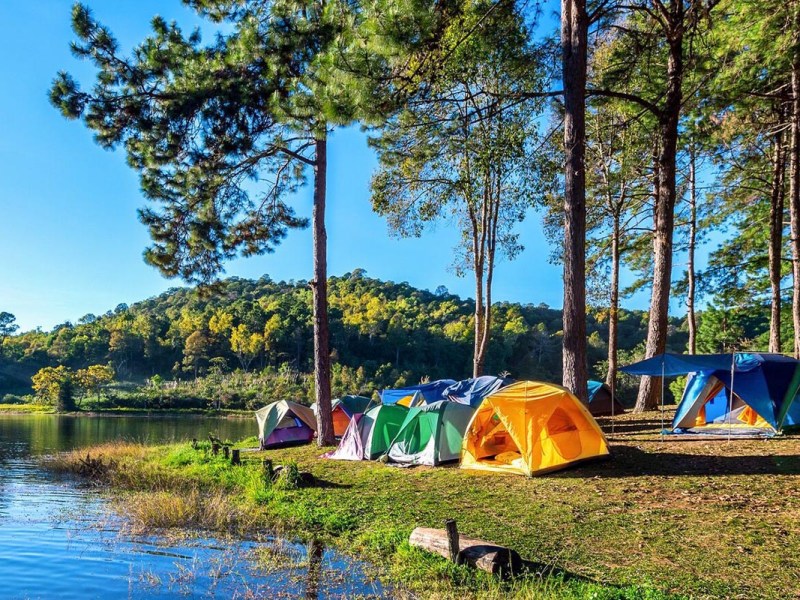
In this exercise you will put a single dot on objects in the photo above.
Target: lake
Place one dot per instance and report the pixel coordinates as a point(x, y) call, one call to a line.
point(59, 539)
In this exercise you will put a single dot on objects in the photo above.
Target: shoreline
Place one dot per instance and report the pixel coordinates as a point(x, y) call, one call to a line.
point(15, 409)
point(663, 519)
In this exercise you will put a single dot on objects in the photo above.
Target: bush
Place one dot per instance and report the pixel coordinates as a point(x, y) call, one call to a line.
point(13, 399)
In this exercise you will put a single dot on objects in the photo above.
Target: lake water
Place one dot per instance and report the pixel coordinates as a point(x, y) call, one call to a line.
point(58, 538)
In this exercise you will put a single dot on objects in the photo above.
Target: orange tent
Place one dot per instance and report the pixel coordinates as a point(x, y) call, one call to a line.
point(531, 428)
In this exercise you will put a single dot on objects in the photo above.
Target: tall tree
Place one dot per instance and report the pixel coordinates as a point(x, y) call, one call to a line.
point(463, 150)
point(201, 122)
point(655, 33)
point(574, 48)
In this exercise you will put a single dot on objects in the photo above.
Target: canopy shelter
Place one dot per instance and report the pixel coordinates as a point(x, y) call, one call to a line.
point(431, 434)
point(416, 395)
point(283, 423)
point(530, 428)
point(473, 391)
point(369, 435)
point(602, 401)
point(343, 409)
point(730, 394)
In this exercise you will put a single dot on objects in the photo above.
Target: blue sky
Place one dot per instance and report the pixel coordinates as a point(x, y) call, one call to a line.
point(70, 239)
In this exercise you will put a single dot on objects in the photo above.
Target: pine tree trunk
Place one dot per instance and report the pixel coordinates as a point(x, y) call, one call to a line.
point(613, 309)
point(477, 357)
point(574, 31)
point(690, 295)
point(322, 355)
point(794, 188)
point(650, 390)
point(776, 243)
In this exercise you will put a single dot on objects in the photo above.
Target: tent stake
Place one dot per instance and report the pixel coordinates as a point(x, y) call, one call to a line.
point(452, 539)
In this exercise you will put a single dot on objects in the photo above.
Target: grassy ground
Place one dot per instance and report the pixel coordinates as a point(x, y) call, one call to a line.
point(663, 517)
point(25, 409)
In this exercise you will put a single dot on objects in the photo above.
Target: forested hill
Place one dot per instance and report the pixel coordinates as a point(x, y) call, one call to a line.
point(382, 334)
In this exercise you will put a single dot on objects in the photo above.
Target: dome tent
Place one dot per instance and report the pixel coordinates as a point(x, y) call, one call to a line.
point(531, 428)
point(368, 436)
point(343, 409)
point(473, 391)
point(431, 434)
point(601, 401)
point(285, 422)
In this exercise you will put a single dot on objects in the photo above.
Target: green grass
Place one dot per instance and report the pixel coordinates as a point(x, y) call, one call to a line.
point(664, 518)
point(25, 408)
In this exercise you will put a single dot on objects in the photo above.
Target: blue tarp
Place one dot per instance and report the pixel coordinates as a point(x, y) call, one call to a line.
point(473, 391)
point(671, 365)
point(430, 392)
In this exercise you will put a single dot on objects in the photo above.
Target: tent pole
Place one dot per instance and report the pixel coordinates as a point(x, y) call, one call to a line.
point(663, 369)
point(730, 401)
point(613, 401)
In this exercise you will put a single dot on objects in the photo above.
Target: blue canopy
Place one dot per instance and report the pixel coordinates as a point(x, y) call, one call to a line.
point(670, 365)
point(473, 391)
point(430, 392)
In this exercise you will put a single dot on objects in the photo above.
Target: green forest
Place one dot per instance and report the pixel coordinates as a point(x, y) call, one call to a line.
point(249, 343)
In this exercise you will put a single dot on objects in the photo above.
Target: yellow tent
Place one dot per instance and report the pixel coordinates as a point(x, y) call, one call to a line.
point(531, 428)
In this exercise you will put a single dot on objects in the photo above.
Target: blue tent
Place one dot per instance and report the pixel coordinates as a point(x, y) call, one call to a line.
point(473, 391)
point(415, 395)
point(729, 393)
point(601, 402)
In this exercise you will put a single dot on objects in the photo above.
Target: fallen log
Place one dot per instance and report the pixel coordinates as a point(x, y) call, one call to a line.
point(476, 553)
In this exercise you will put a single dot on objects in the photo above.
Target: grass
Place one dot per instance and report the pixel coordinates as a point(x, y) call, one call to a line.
point(25, 408)
point(664, 518)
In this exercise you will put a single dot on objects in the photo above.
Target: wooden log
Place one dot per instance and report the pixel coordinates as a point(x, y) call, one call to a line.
point(226, 452)
point(214, 448)
point(236, 458)
point(476, 553)
point(269, 471)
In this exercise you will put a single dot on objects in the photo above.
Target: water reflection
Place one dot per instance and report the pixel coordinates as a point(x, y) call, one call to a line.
point(57, 539)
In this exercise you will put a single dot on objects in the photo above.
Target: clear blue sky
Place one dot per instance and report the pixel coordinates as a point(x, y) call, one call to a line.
point(70, 240)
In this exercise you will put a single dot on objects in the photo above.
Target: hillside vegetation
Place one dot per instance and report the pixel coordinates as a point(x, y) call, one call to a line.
point(250, 341)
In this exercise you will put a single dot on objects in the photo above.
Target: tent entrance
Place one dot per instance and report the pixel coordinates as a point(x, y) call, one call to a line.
point(719, 411)
point(495, 444)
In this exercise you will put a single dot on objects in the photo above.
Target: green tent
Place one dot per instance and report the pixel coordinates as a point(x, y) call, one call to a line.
point(431, 434)
point(368, 436)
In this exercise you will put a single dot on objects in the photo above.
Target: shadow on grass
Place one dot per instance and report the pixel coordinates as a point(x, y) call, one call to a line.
point(629, 461)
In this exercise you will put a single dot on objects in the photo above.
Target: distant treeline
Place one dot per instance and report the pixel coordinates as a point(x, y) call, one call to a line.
point(383, 334)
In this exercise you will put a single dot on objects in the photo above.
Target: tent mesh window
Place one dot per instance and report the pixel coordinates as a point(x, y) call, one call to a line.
point(568, 446)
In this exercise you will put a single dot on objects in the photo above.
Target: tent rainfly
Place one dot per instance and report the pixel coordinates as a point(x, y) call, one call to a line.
point(740, 394)
point(368, 436)
point(431, 434)
point(602, 402)
point(473, 391)
point(283, 423)
point(531, 428)
point(417, 395)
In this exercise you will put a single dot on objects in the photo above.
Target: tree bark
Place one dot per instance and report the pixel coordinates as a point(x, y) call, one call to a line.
point(794, 184)
point(613, 310)
point(776, 242)
point(574, 33)
point(322, 355)
point(664, 214)
point(690, 271)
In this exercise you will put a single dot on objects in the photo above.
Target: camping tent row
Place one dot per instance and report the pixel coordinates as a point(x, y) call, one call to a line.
point(527, 428)
point(740, 394)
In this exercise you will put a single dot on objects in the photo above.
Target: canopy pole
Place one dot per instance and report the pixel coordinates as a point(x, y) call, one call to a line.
point(613, 401)
point(663, 370)
point(730, 401)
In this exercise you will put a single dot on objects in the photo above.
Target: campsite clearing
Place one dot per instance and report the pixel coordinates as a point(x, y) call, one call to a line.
point(706, 518)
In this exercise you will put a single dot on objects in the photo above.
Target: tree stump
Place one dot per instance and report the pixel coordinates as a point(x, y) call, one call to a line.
point(236, 458)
